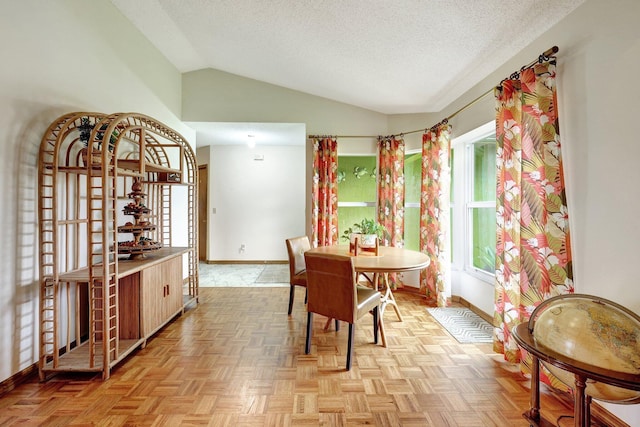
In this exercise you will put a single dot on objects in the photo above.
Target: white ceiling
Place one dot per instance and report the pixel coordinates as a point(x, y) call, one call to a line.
point(390, 56)
point(221, 133)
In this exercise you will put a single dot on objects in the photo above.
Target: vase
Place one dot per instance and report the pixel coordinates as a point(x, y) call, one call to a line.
point(363, 242)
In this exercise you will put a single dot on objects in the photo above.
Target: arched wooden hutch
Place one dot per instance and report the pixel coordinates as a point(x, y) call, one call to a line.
point(118, 237)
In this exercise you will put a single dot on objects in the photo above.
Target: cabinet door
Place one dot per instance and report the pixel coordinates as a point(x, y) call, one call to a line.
point(160, 293)
point(151, 299)
point(172, 272)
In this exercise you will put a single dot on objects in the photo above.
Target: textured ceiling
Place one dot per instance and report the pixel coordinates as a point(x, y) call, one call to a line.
point(389, 56)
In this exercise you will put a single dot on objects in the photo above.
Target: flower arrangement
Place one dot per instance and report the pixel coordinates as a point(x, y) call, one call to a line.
point(364, 235)
point(366, 226)
point(112, 139)
point(85, 128)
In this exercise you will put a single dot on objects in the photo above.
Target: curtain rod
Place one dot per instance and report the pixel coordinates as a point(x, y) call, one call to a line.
point(544, 56)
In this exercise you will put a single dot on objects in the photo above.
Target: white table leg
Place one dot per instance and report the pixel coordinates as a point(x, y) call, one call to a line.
point(387, 297)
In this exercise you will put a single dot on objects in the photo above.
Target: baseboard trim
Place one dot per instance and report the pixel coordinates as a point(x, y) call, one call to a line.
point(599, 415)
point(605, 417)
point(410, 289)
point(457, 300)
point(18, 378)
point(476, 310)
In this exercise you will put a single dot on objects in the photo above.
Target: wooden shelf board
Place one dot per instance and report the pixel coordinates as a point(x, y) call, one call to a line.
point(126, 266)
point(134, 165)
point(96, 170)
point(126, 172)
point(135, 173)
point(182, 184)
point(188, 300)
point(78, 359)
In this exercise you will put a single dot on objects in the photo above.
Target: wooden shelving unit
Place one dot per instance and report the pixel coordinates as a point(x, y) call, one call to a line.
point(98, 305)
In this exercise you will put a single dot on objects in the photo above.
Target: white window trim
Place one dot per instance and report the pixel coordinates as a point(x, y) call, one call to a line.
point(462, 255)
point(356, 204)
point(411, 204)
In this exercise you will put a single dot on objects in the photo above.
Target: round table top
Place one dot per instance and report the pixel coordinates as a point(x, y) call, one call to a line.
point(388, 260)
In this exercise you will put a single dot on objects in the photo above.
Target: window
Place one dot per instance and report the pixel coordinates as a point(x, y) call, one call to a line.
point(357, 190)
point(357, 193)
point(481, 204)
point(473, 187)
point(412, 187)
point(452, 187)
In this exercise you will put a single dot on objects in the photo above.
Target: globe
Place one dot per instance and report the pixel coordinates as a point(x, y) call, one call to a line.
point(594, 331)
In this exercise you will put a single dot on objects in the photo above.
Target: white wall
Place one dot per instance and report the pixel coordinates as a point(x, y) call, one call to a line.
point(215, 96)
point(258, 203)
point(60, 56)
point(202, 155)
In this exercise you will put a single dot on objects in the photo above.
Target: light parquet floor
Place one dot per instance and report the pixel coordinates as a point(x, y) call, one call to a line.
point(237, 359)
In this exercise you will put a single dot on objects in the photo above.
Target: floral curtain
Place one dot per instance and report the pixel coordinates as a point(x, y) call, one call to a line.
point(434, 213)
point(324, 213)
point(391, 189)
point(391, 194)
point(533, 253)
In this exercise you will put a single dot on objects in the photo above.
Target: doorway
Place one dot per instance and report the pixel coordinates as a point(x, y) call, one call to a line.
point(203, 179)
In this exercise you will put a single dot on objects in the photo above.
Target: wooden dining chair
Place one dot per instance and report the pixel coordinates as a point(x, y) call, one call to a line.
point(333, 291)
point(296, 247)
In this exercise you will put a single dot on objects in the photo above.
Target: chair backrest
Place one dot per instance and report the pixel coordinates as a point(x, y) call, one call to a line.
point(296, 247)
point(331, 286)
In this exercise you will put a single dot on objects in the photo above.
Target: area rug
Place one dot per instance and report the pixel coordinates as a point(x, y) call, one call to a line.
point(274, 273)
point(241, 275)
point(463, 324)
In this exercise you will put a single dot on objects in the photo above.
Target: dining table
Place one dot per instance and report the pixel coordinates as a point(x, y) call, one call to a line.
point(387, 260)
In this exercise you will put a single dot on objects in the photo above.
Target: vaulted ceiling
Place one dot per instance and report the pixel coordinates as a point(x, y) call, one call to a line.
point(389, 56)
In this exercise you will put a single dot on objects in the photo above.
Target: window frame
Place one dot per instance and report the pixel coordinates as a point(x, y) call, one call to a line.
point(412, 205)
point(352, 204)
point(462, 230)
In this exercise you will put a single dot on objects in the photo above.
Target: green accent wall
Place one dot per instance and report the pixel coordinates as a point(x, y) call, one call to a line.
point(352, 188)
point(363, 189)
point(356, 189)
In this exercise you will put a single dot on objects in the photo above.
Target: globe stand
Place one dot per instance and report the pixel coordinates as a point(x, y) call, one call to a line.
point(582, 370)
